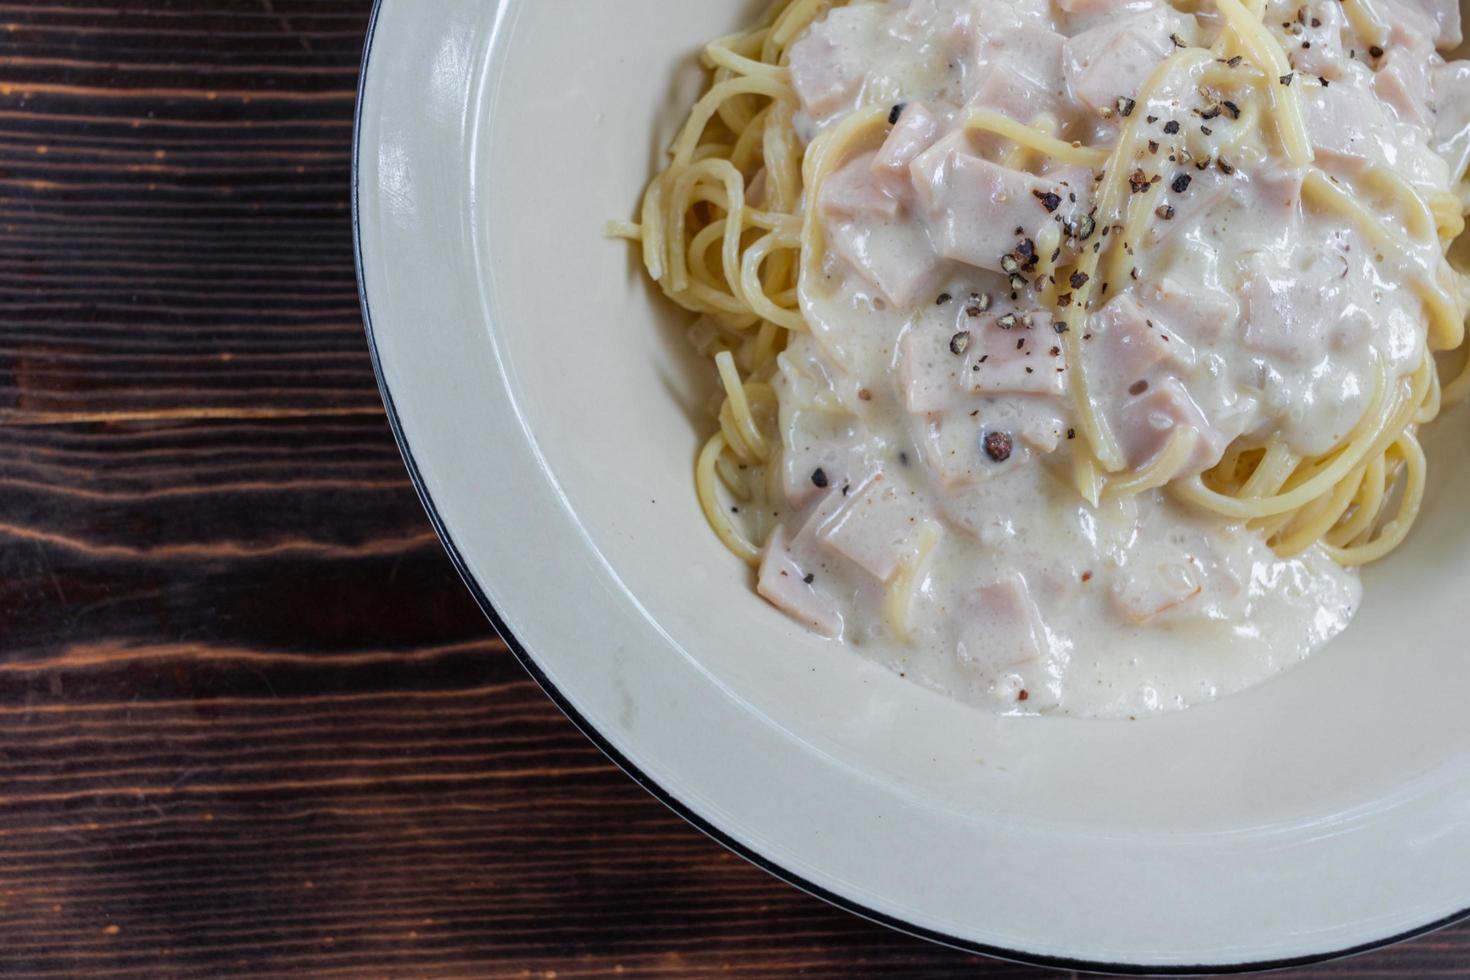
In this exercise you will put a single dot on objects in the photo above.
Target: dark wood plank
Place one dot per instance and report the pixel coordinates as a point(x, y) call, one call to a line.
point(250, 722)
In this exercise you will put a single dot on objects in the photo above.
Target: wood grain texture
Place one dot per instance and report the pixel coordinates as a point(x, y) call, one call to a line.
point(250, 722)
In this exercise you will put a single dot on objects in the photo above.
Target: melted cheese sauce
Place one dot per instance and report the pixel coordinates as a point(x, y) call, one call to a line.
point(927, 512)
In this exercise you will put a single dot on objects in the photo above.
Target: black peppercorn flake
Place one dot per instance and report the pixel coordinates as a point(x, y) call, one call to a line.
point(819, 478)
point(1181, 183)
point(895, 113)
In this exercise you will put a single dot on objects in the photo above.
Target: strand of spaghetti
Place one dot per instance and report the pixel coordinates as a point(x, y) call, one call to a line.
point(900, 598)
point(790, 23)
point(704, 110)
point(1366, 21)
point(1267, 55)
point(1395, 531)
point(680, 195)
point(1194, 491)
point(723, 54)
point(1308, 525)
point(1271, 472)
point(990, 121)
point(709, 501)
point(739, 405)
point(1161, 469)
point(1368, 504)
point(1100, 439)
point(754, 293)
point(783, 158)
point(1420, 221)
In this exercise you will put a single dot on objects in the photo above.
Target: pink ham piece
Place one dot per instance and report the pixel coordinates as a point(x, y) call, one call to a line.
point(1340, 120)
point(1016, 361)
point(1021, 73)
point(1199, 314)
point(1452, 124)
point(1112, 61)
point(782, 583)
point(875, 530)
point(1147, 422)
point(896, 258)
point(974, 206)
point(1003, 609)
point(1133, 345)
point(1294, 310)
point(1145, 594)
point(916, 130)
point(857, 190)
point(1436, 20)
point(826, 441)
point(827, 65)
point(1403, 81)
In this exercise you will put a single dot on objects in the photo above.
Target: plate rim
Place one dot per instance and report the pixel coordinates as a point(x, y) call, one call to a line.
point(686, 812)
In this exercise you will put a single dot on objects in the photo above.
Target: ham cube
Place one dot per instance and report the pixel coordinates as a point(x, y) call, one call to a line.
point(1148, 421)
point(1403, 81)
point(1002, 628)
point(819, 440)
point(1198, 313)
point(1020, 74)
point(829, 64)
point(1018, 360)
point(1341, 122)
point(974, 206)
point(1437, 21)
point(1133, 344)
point(1295, 309)
point(1452, 124)
point(875, 530)
point(1145, 593)
point(928, 371)
point(783, 583)
point(896, 258)
point(857, 191)
point(916, 130)
point(1111, 62)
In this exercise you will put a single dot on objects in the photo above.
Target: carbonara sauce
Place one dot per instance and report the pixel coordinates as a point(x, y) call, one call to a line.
point(928, 513)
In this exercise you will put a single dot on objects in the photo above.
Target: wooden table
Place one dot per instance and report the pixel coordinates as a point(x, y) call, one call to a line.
point(250, 721)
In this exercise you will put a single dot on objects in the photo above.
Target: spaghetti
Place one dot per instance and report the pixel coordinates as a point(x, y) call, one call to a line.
point(730, 233)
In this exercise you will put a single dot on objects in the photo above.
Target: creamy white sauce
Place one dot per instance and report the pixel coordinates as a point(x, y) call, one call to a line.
point(1251, 314)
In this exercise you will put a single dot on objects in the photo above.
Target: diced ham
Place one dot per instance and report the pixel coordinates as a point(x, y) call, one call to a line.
point(896, 258)
point(1146, 593)
point(857, 190)
point(1403, 81)
point(1436, 20)
point(1111, 61)
point(1198, 313)
point(1132, 343)
point(782, 582)
point(1341, 120)
point(1350, 128)
point(1296, 308)
point(928, 371)
point(916, 130)
point(832, 442)
point(1207, 193)
point(1018, 360)
point(828, 64)
point(876, 528)
point(1147, 422)
point(1003, 620)
point(1452, 124)
point(1020, 73)
point(974, 206)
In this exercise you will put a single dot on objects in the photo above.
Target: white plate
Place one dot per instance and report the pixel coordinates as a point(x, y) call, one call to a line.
point(549, 413)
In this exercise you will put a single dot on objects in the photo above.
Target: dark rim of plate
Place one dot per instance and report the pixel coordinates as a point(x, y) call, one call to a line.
point(527, 660)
